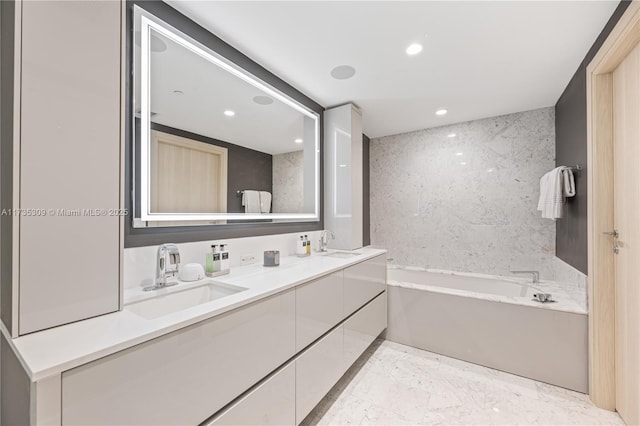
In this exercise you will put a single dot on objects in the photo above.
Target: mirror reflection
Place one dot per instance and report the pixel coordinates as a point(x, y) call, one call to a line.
point(216, 143)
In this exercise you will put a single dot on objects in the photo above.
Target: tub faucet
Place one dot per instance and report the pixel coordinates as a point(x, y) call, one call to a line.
point(535, 275)
point(324, 239)
point(167, 265)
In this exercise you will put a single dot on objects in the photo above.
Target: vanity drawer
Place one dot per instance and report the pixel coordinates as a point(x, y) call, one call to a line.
point(363, 327)
point(185, 376)
point(317, 370)
point(271, 403)
point(318, 308)
point(363, 281)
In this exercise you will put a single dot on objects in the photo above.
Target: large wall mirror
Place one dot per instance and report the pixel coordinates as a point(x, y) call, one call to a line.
point(215, 144)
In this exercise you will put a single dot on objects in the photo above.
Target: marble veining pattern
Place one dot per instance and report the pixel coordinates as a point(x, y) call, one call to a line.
point(575, 282)
point(466, 203)
point(288, 182)
point(393, 384)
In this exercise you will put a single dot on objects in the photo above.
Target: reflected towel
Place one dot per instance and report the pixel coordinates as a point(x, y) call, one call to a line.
point(554, 187)
point(251, 201)
point(265, 202)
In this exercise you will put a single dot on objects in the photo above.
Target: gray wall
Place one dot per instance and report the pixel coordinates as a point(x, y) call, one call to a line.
point(571, 149)
point(430, 210)
point(7, 10)
point(366, 188)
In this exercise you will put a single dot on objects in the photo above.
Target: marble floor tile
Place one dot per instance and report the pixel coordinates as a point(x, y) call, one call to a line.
point(393, 384)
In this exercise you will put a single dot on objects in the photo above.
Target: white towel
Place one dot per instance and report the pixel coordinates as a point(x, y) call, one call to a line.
point(265, 201)
point(569, 183)
point(555, 186)
point(251, 201)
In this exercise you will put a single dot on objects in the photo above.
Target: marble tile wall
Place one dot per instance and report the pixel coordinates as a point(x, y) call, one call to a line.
point(466, 203)
point(574, 282)
point(288, 183)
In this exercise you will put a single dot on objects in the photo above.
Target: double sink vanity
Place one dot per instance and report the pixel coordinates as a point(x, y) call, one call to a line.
point(257, 346)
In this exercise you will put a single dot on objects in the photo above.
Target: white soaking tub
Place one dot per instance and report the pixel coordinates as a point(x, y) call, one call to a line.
point(491, 321)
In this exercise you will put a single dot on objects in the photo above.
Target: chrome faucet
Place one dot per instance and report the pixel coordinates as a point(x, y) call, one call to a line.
point(167, 266)
point(324, 239)
point(535, 275)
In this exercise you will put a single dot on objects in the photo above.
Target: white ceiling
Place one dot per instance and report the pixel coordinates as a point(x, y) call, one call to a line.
point(205, 91)
point(480, 58)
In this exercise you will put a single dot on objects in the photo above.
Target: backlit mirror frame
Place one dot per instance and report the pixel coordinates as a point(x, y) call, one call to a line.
point(136, 236)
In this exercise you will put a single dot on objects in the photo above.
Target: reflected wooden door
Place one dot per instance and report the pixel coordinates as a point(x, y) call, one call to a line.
point(626, 138)
point(187, 176)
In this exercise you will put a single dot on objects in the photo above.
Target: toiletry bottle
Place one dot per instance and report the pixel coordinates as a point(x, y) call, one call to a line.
point(299, 246)
point(224, 257)
point(216, 258)
point(208, 265)
point(306, 238)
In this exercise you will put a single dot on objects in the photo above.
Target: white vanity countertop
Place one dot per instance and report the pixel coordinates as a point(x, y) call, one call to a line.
point(53, 351)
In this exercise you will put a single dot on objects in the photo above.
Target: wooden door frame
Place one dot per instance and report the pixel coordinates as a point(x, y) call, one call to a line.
point(601, 287)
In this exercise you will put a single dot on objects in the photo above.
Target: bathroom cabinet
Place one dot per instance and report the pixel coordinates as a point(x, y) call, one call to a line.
point(363, 327)
point(318, 308)
point(343, 179)
point(317, 370)
point(185, 376)
point(321, 365)
point(272, 403)
point(363, 281)
point(268, 362)
point(62, 242)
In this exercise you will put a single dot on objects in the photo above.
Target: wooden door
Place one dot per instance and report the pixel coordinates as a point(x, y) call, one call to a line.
point(187, 176)
point(626, 137)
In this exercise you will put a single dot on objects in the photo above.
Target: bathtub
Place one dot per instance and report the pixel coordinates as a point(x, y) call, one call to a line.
point(491, 321)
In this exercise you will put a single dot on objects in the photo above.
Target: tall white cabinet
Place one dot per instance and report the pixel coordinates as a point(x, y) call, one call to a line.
point(67, 147)
point(343, 185)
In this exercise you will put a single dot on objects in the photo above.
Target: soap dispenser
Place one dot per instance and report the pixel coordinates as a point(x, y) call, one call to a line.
point(224, 258)
point(301, 247)
point(216, 258)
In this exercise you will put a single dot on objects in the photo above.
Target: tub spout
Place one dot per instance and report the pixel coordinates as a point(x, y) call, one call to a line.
point(535, 275)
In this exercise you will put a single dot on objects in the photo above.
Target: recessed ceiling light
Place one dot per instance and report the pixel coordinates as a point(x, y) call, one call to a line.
point(459, 153)
point(490, 170)
point(414, 49)
point(178, 92)
point(343, 72)
point(263, 100)
point(229, 113)
point(463, 163)
point(441, 111)
point(298, 140)
point(451, 135)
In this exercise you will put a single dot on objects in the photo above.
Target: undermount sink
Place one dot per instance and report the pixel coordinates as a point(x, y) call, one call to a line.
point(178, 300)
point(342, 254)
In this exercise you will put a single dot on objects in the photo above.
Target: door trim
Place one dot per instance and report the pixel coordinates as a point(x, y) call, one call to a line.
point(601, 274)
